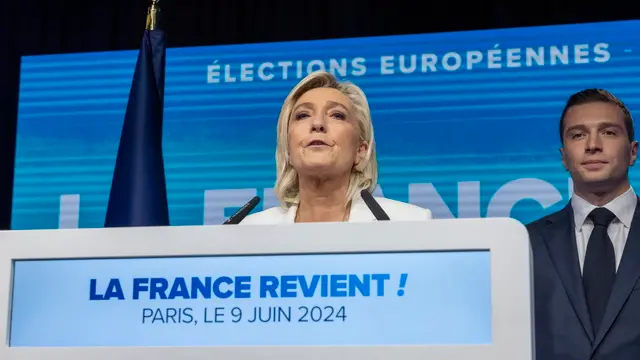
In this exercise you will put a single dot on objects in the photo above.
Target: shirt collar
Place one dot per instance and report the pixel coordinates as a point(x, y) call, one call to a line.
point(622, 207)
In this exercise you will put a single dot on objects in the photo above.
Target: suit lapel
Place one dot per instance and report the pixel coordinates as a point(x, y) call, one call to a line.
point(560, 241)
point(290, 216)
point(360, 212)
point(626, 277)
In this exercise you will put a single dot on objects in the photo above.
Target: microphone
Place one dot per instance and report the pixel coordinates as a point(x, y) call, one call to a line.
point(243, 212)
point(373, 205)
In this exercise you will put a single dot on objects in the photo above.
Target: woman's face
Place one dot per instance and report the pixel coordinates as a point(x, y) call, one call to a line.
point(324, 139)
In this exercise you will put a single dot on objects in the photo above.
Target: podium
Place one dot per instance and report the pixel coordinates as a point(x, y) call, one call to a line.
point(441, 289)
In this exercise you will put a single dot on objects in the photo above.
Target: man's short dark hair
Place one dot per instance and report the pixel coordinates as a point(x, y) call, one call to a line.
point(597, 95)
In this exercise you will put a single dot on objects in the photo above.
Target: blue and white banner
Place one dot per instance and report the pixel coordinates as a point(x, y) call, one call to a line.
point(418, 298)
point(466, 123)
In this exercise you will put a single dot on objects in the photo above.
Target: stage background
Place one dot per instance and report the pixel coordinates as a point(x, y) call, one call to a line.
point(475, 137)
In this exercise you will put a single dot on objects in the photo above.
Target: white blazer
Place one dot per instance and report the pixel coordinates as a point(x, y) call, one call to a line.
point(396, 210)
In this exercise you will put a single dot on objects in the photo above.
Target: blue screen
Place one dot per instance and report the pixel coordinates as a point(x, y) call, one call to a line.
point(415, 298)
point(466, 123)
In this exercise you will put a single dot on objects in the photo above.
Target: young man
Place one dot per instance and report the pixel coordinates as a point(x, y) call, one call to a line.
point(587, 255)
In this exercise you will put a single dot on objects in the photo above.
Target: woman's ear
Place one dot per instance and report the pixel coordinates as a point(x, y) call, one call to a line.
point(361, 154)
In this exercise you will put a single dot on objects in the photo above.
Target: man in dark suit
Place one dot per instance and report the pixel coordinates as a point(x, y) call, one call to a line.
point(587, 256)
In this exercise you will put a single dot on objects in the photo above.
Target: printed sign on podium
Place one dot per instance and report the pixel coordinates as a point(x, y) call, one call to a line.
point(440, 289)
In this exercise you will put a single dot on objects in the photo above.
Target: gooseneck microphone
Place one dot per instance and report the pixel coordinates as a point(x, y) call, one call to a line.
point(243, 212)
point(373, 206)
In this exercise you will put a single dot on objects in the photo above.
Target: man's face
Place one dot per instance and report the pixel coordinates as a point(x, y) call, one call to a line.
point(597, 151)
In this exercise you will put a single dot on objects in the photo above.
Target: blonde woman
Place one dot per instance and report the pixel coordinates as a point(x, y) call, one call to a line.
point(326, 156)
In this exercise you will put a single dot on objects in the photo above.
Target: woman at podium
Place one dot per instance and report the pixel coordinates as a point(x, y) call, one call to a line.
point(326, 159)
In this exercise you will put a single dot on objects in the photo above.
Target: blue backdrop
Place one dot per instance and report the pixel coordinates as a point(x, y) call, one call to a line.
point(466, 123)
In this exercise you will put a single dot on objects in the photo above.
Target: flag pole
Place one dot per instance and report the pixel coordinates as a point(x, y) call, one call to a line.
point(153, 15)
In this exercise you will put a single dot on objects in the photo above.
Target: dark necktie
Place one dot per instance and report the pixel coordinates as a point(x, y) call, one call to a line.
point(599, 269)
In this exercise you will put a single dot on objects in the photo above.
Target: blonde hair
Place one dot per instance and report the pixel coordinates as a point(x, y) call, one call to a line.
point(363, 176)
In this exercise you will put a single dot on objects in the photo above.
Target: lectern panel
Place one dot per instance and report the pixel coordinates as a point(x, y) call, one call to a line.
point(437, 290)
point(402, 298)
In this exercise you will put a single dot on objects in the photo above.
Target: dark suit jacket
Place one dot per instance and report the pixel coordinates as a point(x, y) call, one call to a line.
point(563, 329)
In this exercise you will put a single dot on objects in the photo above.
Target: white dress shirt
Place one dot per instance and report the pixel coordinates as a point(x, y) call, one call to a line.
point(622, 207)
